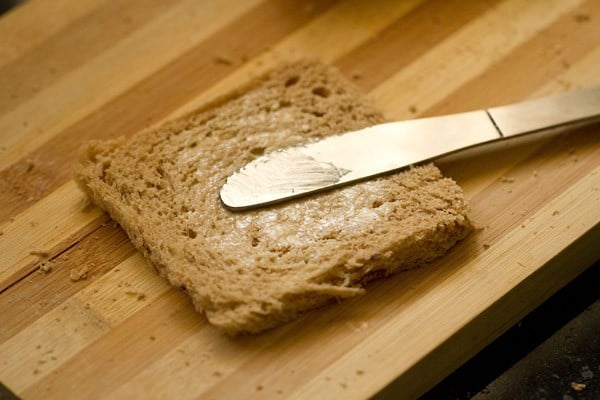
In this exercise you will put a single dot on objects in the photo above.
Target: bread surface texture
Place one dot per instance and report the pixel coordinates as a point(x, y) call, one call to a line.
point(249, 271)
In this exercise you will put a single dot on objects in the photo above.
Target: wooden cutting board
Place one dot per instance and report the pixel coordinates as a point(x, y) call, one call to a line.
point(99, 323)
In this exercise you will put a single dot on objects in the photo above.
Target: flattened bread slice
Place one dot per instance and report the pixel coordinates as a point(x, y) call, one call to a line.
point(257, 269)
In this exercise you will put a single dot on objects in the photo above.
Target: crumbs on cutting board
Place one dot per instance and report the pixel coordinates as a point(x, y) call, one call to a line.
point(78, 274)
point(40, 253)
point(45, 264)
point(582, 17)
point(45, 267)
point(223, 60)
point(138, 295)
point(507, 179)
point(30, 165)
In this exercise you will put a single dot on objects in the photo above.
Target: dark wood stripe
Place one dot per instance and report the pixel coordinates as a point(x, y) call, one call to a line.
point(549, 53)
point(37, 292)
point(133, 345)
point(407, 39)
point(42, 171)
point(72, 46)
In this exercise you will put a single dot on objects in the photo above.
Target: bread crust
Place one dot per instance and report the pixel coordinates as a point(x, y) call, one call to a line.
point(253, 270)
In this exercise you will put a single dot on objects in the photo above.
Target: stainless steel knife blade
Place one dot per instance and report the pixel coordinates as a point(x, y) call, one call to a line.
point(336, 160)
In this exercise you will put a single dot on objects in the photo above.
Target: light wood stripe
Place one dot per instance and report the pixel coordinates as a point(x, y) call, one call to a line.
point(164, 320)
point(42, 227)
point(36, 293)
point(466, 54)
point(80, 321)
point(26, 26)
point(581, 74)
point(198, 363)
point(407, 39)
point(100, 80)
point(358, 20)
point(48, 62)
point(552, 51)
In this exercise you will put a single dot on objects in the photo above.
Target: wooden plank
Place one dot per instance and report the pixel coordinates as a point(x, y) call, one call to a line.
point(552, 51)
point(358, 21)
point(99, 80)
point(23, 29)
point(46, 228)
point(467, 53)
point(80, 320)
point(122, 332)
point(407, 39)
point(36, 293)
point(79, 42)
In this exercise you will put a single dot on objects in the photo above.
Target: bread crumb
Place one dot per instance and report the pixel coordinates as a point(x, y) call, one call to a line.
point(222, 60)
point(36, 371)
point(356, 76)
point(359, 372)
point(46, 267)
point(578, 387)
point(343, 385)
point(30, 165)
point(259, 388)
point(486, 246)
point(79, 274)
point(40, 253)
point(412, 109)
point(555, 213)
point(139, 295)
point(153, 338)
point(582, 17)
point(507, 179)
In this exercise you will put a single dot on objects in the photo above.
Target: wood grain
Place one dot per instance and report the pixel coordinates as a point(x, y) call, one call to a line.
point(103, 69)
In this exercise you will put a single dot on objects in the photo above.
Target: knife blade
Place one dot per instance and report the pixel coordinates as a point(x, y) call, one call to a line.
point(336, 160)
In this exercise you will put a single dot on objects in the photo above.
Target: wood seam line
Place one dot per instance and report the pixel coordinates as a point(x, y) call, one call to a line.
point(56, 251)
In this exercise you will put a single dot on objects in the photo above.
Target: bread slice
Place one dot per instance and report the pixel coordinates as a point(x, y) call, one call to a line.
point(248, 271)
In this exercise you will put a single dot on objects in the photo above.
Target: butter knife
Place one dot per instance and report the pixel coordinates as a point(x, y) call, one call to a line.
point(297, 171)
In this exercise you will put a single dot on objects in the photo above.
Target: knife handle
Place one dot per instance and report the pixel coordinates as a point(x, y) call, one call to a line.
point(546, 112)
